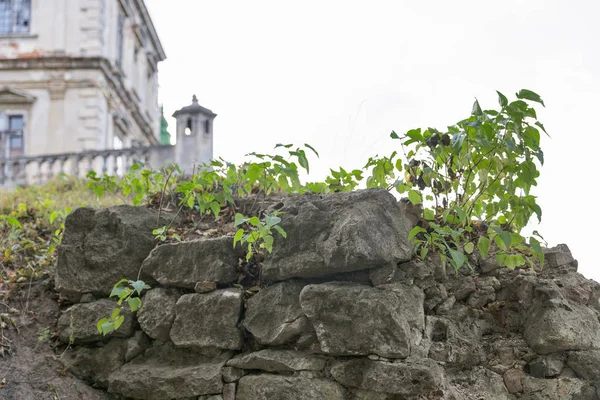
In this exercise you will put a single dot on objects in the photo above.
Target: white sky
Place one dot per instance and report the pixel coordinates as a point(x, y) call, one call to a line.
point(340, 75)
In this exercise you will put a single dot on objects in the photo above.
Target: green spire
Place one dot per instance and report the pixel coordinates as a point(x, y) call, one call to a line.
point(165, 136)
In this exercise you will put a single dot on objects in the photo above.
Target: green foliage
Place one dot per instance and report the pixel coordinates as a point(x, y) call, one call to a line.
point(258, 235)
point(126, 291)
point(477, 176)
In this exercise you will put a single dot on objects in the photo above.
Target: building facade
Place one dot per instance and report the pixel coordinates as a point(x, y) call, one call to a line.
point(77, 75)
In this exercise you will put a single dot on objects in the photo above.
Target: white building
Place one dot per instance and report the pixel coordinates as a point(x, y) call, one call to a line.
point(77, 75)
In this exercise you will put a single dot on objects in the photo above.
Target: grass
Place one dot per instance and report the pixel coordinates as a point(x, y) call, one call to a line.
point(31, 224)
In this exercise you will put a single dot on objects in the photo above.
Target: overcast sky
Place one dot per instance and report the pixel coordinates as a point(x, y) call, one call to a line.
point(340, 75)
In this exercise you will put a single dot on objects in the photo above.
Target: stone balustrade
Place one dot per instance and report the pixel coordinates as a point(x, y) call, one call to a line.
point(26, 170)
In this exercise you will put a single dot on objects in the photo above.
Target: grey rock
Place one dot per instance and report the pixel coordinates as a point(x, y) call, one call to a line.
point(232, 374)
point(278, 387)
point(586, 365)
point(100, 247)
point(434, 296)
point(208, 320)
point(136, 345)
point(78, 322)
point(157, 313)
point(382, 275)
point(274, 316)
point(481, 297)
point(184, 264)
point(229, 391)
point(463, 287)
point(164, 372)
point(97, 363)
point(409, 378)
point(547, 366)
point(484, 384)
point(449, 345)
point(353, 319)
point(554, 327)
point(559, 257)
point(445, 306)
point(339, 232)
point(279, 361)
point(556, 389)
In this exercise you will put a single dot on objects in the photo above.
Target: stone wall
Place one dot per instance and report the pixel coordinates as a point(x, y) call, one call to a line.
point(344, 313)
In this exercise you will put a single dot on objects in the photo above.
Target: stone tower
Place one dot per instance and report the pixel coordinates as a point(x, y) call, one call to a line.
point(194, 136)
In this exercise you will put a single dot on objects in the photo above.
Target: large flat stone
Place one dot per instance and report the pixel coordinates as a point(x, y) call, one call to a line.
point(274, 316)
point(208, 320)
point(157, 313)
point(279, 361)
point(164, 373)
point(557, 326)
point(339, 232)
point(410, 378)
point(101, 247)
point(186, 263)
point(354, 319)
point(279, 387)
point(77, 324)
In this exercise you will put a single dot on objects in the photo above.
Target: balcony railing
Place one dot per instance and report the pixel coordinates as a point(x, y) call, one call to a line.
point(24, 170)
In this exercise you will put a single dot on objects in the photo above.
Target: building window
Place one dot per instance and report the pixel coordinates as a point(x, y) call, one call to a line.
point(15, 16)
point(120, 27)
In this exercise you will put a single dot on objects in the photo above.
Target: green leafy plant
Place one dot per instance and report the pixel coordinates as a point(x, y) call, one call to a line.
point(257, 234)
point(126, 291)
point(476, 178)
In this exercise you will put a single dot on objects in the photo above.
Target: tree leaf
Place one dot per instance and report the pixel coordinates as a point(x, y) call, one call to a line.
point(483, 245)
point(502, 100)
point(238, 236)
point(529, 95)
point(469, 247)
point(415, 231)
point(138, 286)
point(312, 148)
point(504, 237)
point(415, 197)
point(239, 219)
point(476, 109)
point(394, 135)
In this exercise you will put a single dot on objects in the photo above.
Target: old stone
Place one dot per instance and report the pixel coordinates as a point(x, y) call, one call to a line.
point(232, 374)
point(335, 309)
point(157, 313)
point(274, 316)
point(554, 327)
point(278, 387)
point(229, 391)
point(77, 324)
point(100, 247)
point(547, 366)
point(279, 361)
point(409, 378)
point(184, 264)
point(164, 373)
point(205, 287)
point(512, 380)
point(341, 232)
point(136, 345)
point(208, 320)
point(463, 287)
point(97, 363)
point(586, 365)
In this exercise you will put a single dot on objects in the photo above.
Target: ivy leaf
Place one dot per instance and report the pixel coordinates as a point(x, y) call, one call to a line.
point(239, 219)
point(458, 258)
point(134, 303)
point(428, 214)
point(529, 95)
point(138, 286)
point(271, 220)
point(394, 135)
point(483, 245)
point(280, 230)
point(415, 197)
